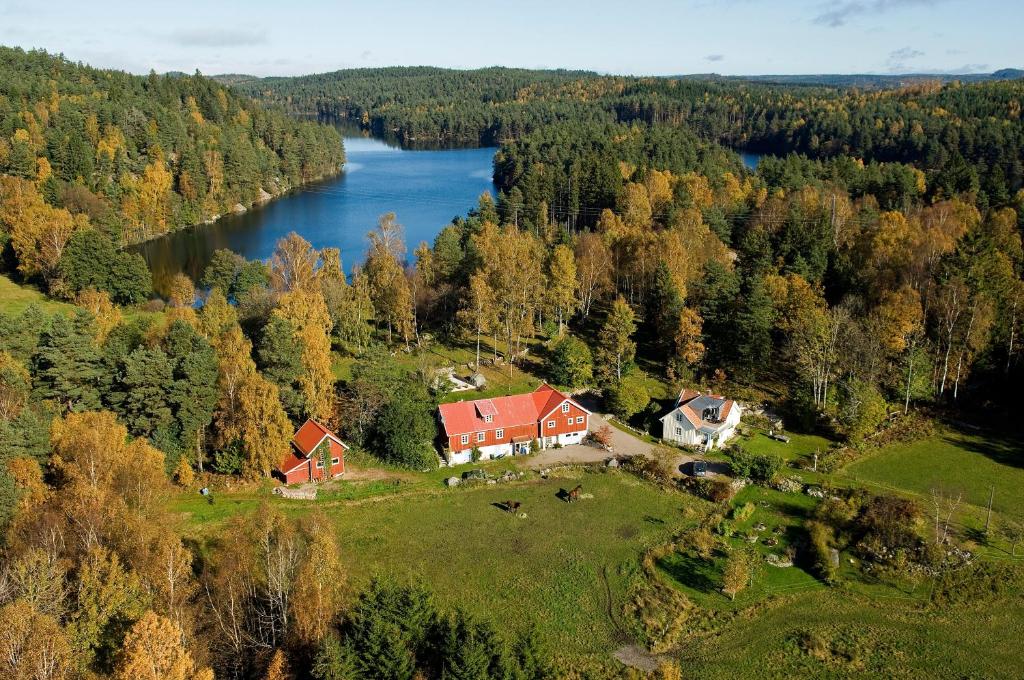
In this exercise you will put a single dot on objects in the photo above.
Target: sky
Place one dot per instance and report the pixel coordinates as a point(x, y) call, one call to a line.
point(652, 37)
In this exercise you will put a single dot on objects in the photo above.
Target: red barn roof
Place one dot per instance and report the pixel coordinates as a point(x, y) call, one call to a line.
point(462, 417)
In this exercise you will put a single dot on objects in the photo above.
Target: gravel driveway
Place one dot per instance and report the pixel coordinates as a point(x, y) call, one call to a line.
point(623, 444)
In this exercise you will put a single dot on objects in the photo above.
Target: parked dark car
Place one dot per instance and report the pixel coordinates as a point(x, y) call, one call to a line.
point(700, 468)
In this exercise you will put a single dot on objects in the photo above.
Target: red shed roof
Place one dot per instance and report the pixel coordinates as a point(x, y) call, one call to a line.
point(462, 417)
point(304, 443)
point(310, 435)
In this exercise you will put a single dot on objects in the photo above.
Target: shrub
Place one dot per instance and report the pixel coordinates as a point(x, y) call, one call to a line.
point(713, 490)
point(821, 538)
point(861, 409)
point(655, 469)
point(475, 453)
point(761, 467)
point(701, 540)
point(184, 475)
point(890, 520)
point(229, 460)
point(743, 512)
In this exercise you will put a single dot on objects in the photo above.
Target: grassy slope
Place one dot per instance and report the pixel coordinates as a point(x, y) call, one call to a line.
point(954, 461)
point(546, 569)
point(864, 638)
point(15, 298)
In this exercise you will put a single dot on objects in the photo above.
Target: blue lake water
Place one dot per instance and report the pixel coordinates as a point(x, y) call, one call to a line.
point(750, 160)
point(425, 189)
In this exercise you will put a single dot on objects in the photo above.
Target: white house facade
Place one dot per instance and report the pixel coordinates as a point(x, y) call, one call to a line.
point(706, 421)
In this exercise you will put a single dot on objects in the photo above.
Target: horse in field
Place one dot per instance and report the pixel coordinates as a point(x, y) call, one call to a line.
point(512, 506)
point(574, 495)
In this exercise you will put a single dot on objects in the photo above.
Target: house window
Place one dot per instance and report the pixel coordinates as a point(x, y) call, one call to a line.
point(334, 461)
point(465, 439)
point(480, 436)
point(569, 421)
point(499, 434)
point(488, 419)
point(319, 465)
point(565, 407)
point(551, 424)
point(679, 431)
point(579, 420)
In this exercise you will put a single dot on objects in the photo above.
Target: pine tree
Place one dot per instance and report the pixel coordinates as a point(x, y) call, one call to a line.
point(280, 359)
point(334, 660)
point(67, 365)
point(144, 393)
point(194, 390)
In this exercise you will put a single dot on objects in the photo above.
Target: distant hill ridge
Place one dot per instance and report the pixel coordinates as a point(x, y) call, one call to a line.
point(862, 80)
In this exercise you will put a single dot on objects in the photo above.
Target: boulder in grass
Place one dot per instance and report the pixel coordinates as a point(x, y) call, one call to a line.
point(452, 481)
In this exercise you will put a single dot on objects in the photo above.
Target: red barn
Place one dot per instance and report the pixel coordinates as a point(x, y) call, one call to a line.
point(508, 425)
point(304, 462)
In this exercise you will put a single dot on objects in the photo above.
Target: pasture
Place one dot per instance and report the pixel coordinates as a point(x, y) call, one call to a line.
point(565, 566)
point(954, 461)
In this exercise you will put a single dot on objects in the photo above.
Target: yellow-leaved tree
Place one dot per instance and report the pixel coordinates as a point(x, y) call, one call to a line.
point(265, 429)
point(308, 315)
point(153, 650)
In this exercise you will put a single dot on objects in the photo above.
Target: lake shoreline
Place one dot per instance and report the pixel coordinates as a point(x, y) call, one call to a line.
point(255, 205)
point(426, 190)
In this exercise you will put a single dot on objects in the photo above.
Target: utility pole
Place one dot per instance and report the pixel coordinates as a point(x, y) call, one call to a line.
point(991, 497)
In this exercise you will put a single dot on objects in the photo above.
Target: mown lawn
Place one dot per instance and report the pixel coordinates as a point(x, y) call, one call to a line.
point(955, 462)
point(555, 568)
point(799, 446)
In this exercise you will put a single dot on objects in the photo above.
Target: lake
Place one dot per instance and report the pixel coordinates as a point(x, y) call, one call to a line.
point(425, 189)
point(750, 159)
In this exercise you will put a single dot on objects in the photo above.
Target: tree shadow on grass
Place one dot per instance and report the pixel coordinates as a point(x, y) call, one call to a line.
point(692, 572)
point(998, 447)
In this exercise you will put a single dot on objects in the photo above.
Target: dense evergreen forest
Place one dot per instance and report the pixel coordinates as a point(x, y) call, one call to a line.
point(138, 156)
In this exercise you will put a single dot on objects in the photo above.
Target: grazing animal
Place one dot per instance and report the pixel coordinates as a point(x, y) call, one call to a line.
point(512, 506)
point(574, 495)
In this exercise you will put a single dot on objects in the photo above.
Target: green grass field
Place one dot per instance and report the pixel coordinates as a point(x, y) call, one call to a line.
point(799, 446)
point(842, 634)
point(555, 568)
point(954, 461)
point(14, 298)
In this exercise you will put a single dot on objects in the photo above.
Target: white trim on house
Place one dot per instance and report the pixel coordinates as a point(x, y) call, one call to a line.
point(677, 428)
point(559, 404)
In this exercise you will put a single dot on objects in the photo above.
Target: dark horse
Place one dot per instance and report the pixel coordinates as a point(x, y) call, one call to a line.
point(512, 506)
point(574, 495)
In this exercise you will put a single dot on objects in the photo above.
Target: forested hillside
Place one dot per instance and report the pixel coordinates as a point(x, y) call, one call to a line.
point(966, 137)
point(435, 105)
point(139, 156)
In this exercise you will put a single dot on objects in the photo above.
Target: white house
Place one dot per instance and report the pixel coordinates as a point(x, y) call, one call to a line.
point(704, 420)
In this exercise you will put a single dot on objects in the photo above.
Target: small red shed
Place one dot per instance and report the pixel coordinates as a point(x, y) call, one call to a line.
point(305, 462)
